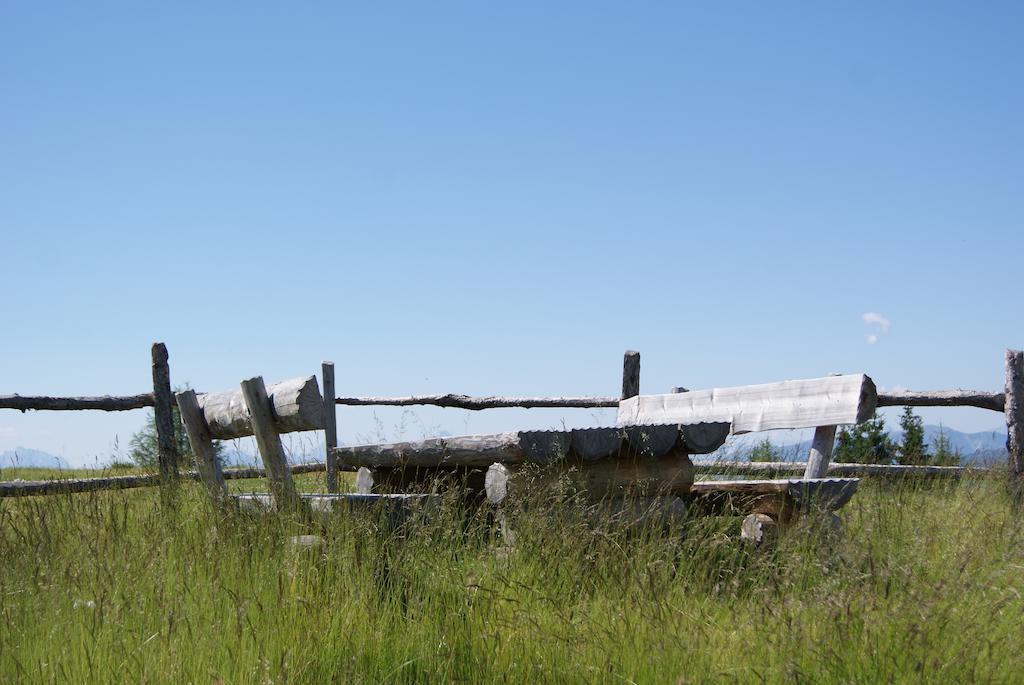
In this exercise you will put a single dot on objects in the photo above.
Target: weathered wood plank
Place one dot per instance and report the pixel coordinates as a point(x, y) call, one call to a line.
point(781, 499)
point(297, 406)
point(468, 450)
point(791, 404)
point(821, 452)
point(205, 454)
point(163, 414)
point(943, 398)
point(457, 401)
point(102, 403)
point(468, 481)
point(842, 469)
point(254, 394)
point(1014, 409)
point(330, 426)
point(630, 374)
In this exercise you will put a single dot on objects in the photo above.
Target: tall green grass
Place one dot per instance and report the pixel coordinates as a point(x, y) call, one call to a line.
point(924, 586)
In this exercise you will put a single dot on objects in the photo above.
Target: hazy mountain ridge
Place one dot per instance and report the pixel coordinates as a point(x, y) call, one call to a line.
point(26, 457)
point(982, 447)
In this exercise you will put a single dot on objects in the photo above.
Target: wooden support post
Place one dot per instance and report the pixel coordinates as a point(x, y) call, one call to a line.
point(630, 374)
point(282, 489)
point(167, 449)
point(330, 427)
point(1015, 410)
point(207, 464)
point(821, 452)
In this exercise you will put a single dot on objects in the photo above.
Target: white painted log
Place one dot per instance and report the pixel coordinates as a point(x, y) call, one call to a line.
point(205, 454)
point(466, 450)
point(821, 452)
point(279, 477)
point(296, 406)
point(834, 400)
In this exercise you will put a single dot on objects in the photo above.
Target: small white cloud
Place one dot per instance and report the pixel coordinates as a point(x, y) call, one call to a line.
point(876, 319)
point(872, 339)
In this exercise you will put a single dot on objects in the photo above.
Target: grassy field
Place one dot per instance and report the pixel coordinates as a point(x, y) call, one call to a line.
point(925, 586)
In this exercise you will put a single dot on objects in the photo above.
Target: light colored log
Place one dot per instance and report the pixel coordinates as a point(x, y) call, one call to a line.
point(759, 529)
point(457, 401)
point(163, 414)
point(821, 452)
point(282, 489)
point(833, 400)
point(596, 480)
point(1014, 409)
point(943, 398)
point(330, 426)
point(630, 374)
point(297, 406)
point(206, 461)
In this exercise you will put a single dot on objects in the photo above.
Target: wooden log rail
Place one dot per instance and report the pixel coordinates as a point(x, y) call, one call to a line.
point(103, 403)
point(844, 469)
point(454, 401)
point(28, 488)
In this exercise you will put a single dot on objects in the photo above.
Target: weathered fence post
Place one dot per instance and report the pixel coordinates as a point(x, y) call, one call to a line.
point(630, 374)
point(1015, 410)
point(821, 452)
point(330, 427)
point(163, 411)
point(202, 447)
point(282, 489)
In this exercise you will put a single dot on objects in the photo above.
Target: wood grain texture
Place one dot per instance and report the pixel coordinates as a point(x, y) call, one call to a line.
point(163, 414)
point(457, 401)
point(1014, 409)
point(297, 406)
point(207, 464)
point(630, 374)
point(101, 403)
point(330, 416)
point(279, 477)
point(821, 452)
point(833, 400)
point(843, 469)
point(943, 398)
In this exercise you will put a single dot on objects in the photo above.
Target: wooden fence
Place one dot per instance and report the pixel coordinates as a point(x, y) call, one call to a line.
point(1010, 402)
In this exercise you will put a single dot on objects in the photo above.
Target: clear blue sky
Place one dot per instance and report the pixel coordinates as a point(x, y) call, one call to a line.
point(449, 197)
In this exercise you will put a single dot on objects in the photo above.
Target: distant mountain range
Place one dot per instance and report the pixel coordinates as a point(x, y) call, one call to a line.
point(984, 447)
point(26, 457)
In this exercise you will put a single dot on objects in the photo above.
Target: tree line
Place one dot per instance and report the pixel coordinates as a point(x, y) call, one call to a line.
point(870, 443)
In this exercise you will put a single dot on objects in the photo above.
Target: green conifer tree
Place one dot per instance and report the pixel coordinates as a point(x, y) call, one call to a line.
point(912, 449)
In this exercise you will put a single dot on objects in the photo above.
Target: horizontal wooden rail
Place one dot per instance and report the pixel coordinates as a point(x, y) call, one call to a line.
point(476, 403)
point(26, 488)
point(839, 469)
point(103, 403)
point(996, 401)
point(938, 398)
